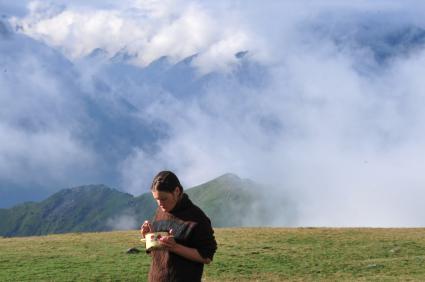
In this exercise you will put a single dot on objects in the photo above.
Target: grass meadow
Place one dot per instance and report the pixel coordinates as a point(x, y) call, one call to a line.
point(244, 254)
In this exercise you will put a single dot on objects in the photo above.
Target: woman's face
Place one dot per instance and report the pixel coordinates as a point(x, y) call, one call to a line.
point(166, 200)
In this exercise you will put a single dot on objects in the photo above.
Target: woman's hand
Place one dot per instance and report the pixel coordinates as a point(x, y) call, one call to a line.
point(171, 245)
point(168, 243)
point(145, 228)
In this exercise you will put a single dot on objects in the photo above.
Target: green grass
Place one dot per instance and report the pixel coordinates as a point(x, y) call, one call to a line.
point(244, 254)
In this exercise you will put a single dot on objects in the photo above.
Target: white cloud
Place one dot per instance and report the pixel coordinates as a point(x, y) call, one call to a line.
point(122, 222)
point(150, 29)
point(320, 117)
point(181, 37)
point(42, 158)
point(336, 136)
point(40, 119)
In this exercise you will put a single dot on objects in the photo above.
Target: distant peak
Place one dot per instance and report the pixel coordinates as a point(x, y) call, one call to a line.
point(229, 176)
point(163, 61)
point(123, 56)
point(98, 53)
point(91, 187)
point(187, 60)
point(226, 179)
point(5, 29)
point(241, 54)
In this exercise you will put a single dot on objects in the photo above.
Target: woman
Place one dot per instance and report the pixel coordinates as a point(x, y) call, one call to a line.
point(192, 243)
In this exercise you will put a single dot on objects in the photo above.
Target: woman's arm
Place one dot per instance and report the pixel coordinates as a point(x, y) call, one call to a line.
point(186, 252)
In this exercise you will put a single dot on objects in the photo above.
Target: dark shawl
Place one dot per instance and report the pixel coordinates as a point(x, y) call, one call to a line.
point(191, 228)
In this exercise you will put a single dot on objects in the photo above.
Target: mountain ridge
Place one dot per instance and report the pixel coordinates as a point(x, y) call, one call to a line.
point(226, 199)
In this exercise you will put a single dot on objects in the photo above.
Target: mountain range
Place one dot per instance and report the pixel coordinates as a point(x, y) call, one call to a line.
point(105, 111)
point(228, 200)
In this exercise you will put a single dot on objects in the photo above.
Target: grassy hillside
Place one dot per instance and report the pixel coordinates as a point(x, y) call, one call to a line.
point(85, 208)
point(230, 201)
point(244, 254)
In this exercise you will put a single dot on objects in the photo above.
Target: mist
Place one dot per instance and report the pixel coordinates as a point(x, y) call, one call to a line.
point(320, 101)
point(123, 222)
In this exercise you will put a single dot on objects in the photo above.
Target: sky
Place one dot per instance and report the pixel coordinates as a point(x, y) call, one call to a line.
point(318, 100)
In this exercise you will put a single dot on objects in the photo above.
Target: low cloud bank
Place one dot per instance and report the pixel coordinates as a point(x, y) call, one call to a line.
point(321, 102)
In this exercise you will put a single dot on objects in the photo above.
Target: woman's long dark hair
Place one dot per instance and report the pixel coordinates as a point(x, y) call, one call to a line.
point(166, 181)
